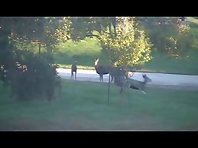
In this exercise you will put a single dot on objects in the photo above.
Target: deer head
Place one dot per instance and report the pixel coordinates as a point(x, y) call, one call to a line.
point(96, 61)
point(146, 78)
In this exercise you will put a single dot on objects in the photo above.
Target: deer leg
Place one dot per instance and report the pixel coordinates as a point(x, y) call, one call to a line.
point(71, 74)
point(142, 89)
point(121, 90)
point(100, 78)
point(112, 78)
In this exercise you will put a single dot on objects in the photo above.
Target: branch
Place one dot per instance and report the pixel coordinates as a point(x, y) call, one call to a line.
point(93, 35)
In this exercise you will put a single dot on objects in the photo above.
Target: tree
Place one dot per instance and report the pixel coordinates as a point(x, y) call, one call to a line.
point(170, 35)
point(128, 46)
point(39, 30)
point(63, 32)
point(78, 28)
point(29, 75)
point(120, 38)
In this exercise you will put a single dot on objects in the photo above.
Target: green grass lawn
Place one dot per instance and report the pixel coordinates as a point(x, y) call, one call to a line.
point(165, 64)
point(84, 52)
point(84, 106)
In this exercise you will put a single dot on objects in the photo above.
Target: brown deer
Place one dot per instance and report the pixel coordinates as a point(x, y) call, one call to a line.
point(114, 72)
point(74, 70)
point(135, 84)
point(103, 70)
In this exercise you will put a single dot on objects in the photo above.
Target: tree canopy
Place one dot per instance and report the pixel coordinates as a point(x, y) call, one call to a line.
point(126, 41)
point(29, 75)
point(169, 35)
point(121, 39)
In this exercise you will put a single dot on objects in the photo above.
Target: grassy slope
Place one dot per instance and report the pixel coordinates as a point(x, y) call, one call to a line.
point(161, 63)
point(83, 106)
point(86, 51)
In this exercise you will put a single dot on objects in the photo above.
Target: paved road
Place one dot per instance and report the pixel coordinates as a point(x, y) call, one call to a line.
point(158, 79)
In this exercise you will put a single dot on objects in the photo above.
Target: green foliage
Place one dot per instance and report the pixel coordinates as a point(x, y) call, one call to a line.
point(29, 75)
point(129, 46)
point(180, 45)
point(50, 38)
point(125, 44)
point(24, 28)
point(63, 31)
point(40, 30)
point(169, 35)
point(82, 27)
point(33, 77)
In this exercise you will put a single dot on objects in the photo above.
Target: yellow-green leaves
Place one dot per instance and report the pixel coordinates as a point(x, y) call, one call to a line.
point(129, 46)
point(63, 32)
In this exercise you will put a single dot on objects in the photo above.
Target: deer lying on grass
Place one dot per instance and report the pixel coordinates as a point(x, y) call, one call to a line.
point(135, 84)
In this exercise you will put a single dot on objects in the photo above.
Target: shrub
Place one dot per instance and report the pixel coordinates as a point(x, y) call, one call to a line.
point(33, 77)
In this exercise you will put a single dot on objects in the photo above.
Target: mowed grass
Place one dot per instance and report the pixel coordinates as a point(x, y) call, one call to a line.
point(84, 52)
point(167, 64)
point(84, 106)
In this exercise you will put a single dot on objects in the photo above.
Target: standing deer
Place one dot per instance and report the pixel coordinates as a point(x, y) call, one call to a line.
point(103, 70)
point(74, 70)
point(115, 72)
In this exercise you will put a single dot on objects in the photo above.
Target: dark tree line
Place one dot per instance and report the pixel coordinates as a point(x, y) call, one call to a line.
point(28, 75)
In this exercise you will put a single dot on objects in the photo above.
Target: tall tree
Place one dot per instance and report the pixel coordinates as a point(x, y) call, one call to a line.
point(120, 38)
point(170, 35)
point(39, 30)
point(128, 45)
point(28, 75)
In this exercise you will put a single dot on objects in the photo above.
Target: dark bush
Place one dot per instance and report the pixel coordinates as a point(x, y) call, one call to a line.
point(33, 77)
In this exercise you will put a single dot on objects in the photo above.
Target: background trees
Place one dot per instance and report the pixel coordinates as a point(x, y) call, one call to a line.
point(169, 35)
point(128, 45)
point(28, 74)
point(120, 38)
point(27, 44)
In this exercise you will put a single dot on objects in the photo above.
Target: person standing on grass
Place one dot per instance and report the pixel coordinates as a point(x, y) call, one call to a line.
point(74, 69)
